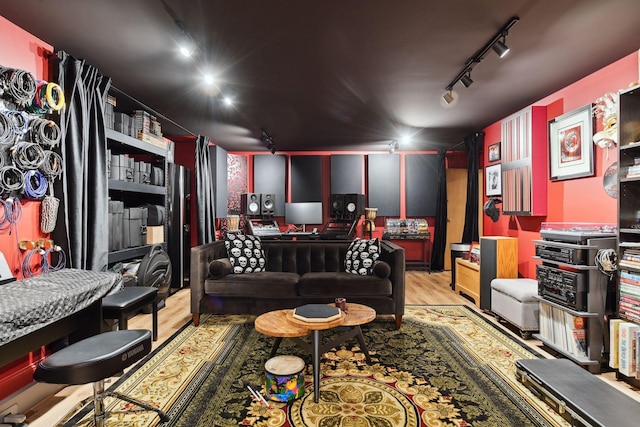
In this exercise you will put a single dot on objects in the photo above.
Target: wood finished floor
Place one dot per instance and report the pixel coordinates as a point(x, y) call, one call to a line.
point(421, 288)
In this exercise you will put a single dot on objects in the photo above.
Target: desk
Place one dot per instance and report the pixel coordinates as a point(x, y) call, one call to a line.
point(417, 250)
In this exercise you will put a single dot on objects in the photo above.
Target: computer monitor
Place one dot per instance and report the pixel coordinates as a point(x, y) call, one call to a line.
point(303, 213)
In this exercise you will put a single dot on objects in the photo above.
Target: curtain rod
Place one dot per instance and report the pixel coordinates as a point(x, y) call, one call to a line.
point(154, 112)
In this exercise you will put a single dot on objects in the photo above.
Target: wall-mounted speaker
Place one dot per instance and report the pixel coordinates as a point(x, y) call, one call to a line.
point(268, 203)
point(353, 205)
point(251, 203)
point(337, 205)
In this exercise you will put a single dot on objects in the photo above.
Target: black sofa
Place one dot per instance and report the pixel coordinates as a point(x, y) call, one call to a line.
point(297, 272)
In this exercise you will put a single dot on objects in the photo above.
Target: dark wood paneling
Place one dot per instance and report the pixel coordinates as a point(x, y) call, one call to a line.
point(421, 184)
point(306, 179)
point(383, 183)
point(346, 173)
point(269, 173)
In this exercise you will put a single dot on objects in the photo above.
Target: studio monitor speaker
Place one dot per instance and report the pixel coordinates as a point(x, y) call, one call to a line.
point(337, 205)
point(353, 205)
point(250, 203)
point(268, 204)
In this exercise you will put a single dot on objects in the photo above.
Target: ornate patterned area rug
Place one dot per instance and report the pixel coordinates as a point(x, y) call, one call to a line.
point(446, 366)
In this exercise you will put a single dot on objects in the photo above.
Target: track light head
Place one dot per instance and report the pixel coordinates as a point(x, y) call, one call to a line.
point(466, 80)
point(393, 146)
point(500, 47)
point(448, 97)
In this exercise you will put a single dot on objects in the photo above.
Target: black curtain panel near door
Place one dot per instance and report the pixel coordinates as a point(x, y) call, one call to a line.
point(470, 231)
point(83, 215)
point(205, 202)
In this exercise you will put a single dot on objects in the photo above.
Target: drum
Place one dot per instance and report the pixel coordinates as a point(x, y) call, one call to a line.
point(284, 378)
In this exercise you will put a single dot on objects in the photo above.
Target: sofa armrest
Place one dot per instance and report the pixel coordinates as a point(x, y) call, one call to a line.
point(394, 255)
point(201, 257)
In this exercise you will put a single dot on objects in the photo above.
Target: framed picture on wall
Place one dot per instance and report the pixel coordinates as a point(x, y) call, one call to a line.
point(494, 152)
point(493, 179)
point(570, 147)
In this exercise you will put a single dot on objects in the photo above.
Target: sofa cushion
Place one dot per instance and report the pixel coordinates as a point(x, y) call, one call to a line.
point(245, 253)
point(341, 284)
point(219, 268)
point(361, 255)
point(266, 284)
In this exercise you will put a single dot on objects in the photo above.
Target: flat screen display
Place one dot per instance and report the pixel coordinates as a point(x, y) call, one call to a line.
point(303, 213)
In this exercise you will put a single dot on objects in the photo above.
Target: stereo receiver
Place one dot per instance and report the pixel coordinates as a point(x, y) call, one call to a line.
point(563, 287)
point(563, 254)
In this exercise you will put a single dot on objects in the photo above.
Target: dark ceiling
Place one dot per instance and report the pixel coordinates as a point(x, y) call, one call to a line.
point(335, 75)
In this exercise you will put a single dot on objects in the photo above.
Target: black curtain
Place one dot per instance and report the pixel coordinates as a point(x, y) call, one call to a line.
point(470, 231)
point(81, 228)
point(205, 204)
point(440, 227)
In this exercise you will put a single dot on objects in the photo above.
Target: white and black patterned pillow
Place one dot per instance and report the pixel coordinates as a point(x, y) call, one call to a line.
point(361, 255)
point(245, 253)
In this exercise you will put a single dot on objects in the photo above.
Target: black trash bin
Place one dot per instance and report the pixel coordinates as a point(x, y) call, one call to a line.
point(457, 251)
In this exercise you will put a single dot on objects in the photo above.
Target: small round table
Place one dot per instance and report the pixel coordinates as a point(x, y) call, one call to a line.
point(281, 324)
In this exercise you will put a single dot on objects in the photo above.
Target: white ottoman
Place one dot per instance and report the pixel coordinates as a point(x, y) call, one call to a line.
point(514, 301)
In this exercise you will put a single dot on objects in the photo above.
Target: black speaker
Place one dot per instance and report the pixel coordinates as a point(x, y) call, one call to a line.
point(268, 205)
point(353, 205)
point(337, 205)
point(250, 203)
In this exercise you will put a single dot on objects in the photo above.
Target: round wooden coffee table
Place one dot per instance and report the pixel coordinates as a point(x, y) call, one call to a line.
point(281, 324)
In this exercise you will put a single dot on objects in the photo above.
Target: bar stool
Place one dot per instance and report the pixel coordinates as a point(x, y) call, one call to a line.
point(95, 359)
point(128, 301)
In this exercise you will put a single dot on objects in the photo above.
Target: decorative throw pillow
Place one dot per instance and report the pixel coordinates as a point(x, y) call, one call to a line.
point(245, 253)
point(361, 255)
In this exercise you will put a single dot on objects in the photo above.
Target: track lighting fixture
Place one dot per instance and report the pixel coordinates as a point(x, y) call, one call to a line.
point(266, 138)
point(393, 146)
point(466, 79)
point(497, 43)
point(448, 97)
point(500, 47)
point(186, 43)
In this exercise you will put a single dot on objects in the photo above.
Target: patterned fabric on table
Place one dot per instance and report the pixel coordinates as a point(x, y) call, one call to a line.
point(245, 253)
point(29, 304)
point(361, 255)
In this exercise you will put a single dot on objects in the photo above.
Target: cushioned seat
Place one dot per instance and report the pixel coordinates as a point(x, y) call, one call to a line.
point(515, 301)
point(266, 284)
point(121, 305)
point(343, 284)
point(94, 359)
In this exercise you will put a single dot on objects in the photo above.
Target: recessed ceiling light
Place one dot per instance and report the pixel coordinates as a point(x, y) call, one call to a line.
point(227, 101)
point(209, 79)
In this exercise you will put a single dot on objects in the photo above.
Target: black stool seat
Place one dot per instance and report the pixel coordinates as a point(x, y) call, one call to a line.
point(94, 358)
point(128, 301)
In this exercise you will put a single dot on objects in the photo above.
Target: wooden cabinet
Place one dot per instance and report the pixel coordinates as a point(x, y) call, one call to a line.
point(468, 279)
point(498, 259)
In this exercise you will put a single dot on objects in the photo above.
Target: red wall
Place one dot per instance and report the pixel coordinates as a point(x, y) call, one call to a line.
point(23, 51)
point(575, 200)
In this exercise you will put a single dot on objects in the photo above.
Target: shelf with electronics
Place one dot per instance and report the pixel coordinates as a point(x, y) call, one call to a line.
point(628, 134)
point(574, 277)
point(137, 160)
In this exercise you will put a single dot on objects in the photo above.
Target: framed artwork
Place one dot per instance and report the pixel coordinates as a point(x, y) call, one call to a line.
point(493, 179)
point(494, 152)
point(570, 147)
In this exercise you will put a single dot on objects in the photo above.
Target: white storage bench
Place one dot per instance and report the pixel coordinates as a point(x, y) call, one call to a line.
point(514, 300)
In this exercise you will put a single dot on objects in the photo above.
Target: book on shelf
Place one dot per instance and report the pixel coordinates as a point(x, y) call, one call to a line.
point(614, 339)
point(627, 348)
point(576, 334)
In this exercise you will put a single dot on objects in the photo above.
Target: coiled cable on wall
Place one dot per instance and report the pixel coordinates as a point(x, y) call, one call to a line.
point(7, 136)
point(61, 261)
point(29, 268)
point(51, 167)
point(35, 185)
point(12, 212)
point(607, 262)
point(11, 180)
point(27, 155)
point(19, 121)
point(19, 85)
point(44, 132)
